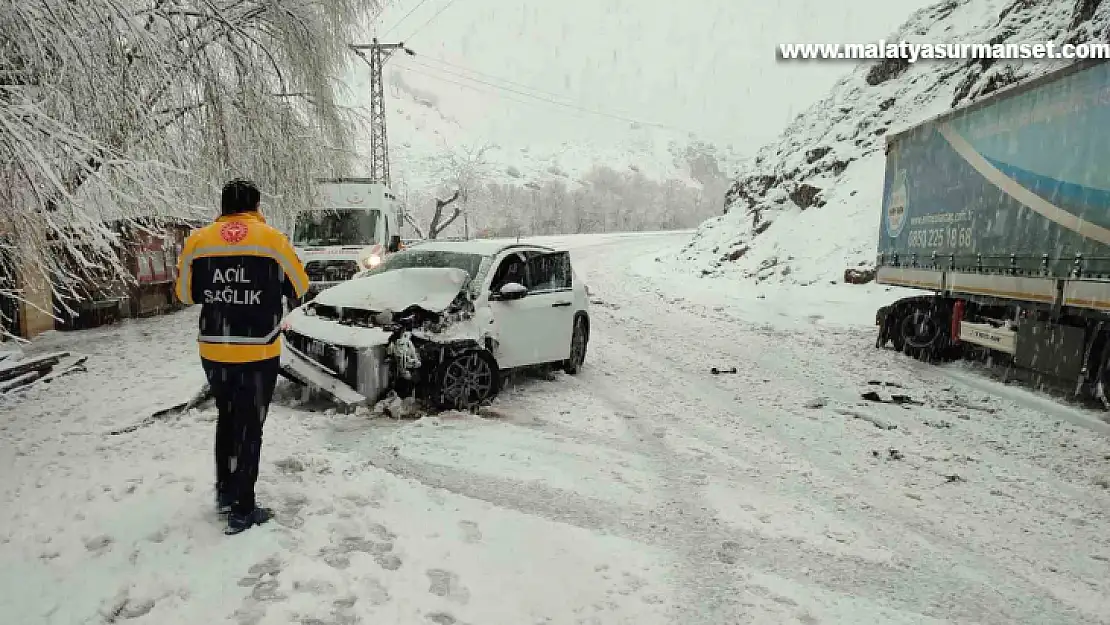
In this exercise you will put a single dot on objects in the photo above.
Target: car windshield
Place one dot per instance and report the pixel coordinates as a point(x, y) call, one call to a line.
point(472, 264)
point(336, 227)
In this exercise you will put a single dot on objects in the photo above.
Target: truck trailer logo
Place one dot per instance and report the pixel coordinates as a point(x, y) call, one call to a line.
point(896, 205)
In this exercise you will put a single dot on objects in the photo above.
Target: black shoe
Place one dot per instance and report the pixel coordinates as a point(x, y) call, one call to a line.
point(237, 522)
point(224, 501)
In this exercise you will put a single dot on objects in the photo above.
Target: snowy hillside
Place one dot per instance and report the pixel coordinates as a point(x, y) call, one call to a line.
point(807, 206)
point(422, 131)
point(627, 176)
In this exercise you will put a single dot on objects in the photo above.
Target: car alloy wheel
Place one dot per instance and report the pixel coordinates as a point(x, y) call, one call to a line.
point(467, 380)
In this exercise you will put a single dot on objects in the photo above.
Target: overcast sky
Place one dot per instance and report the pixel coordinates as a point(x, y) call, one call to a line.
point(706, 66)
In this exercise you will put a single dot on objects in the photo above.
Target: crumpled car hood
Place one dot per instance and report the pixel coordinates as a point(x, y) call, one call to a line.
point(430, 288)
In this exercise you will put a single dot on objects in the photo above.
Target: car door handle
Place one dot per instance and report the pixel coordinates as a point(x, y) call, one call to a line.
point(561, 304)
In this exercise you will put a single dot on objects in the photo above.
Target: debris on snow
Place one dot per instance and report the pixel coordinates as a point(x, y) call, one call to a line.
point(871, 396)
point(905, 399)
point(894, 399)
point(200, 398)
point(814, 404)
point(855, 275)
point(875, 421)
point(940, 425)
point(892, 454)
point(716, 371)
point(19, 372)
point(397, 407)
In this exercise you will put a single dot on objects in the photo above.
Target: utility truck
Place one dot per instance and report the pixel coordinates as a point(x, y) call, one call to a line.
point(352, 224)
point(1001, 210)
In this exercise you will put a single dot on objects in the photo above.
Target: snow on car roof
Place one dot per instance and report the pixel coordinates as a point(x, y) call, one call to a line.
point(485, 247)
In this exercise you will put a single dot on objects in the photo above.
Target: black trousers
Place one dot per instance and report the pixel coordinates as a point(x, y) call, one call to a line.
point(243, 392)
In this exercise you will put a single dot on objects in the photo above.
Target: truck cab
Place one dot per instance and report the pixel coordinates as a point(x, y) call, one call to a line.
point(352, 224)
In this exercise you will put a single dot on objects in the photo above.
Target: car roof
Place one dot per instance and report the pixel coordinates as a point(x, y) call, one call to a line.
point(484, 247)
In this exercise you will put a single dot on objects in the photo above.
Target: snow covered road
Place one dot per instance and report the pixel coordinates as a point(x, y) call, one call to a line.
point(645, 490)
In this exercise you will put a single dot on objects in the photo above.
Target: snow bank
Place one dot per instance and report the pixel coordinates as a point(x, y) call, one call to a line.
point(807, 206)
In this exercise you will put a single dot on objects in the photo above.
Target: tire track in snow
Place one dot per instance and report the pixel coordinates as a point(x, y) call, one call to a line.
point(1024, 563)
point(645, 338)
point(701, 540)
point(685, 525)
point(953, 586)
point(706, 548)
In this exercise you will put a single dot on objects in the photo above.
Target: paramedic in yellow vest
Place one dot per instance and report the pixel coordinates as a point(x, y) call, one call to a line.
point(238, 269)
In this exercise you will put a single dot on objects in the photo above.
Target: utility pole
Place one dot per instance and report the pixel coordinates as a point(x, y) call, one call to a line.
point(379, 143)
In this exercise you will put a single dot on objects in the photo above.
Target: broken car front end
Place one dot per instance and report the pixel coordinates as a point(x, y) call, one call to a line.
point(358, 355)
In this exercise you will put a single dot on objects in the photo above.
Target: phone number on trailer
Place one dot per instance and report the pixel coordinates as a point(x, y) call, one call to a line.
point(940, 238)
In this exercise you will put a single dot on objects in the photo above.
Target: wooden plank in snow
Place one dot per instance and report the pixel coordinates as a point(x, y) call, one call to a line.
point(34, 363)
point(21, 380)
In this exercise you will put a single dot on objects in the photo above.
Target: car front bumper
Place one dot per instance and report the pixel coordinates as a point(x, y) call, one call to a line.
point(352, 375)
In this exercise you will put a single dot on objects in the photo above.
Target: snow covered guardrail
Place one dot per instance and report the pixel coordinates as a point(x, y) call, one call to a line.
point(910, 51)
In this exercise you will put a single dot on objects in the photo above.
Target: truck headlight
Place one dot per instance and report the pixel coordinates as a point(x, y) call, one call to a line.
point(371, 261)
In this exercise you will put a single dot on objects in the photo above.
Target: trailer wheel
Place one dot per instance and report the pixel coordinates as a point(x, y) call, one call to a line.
point(922, 333)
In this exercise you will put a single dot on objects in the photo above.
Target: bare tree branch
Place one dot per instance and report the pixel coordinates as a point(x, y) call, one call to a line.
point(435, 227)
point(415, 226)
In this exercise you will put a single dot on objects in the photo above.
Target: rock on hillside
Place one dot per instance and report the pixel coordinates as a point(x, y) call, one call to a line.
point(807, 206)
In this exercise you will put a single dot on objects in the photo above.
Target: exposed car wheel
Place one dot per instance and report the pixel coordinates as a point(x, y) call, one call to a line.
point(466, 380)
point(578, 342)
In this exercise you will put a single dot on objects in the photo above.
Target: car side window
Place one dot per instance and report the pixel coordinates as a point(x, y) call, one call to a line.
point(549, 272)
point(511, 269)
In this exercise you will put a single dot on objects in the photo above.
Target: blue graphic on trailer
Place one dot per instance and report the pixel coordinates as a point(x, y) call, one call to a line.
point(1052, 140)
point(1024, 179)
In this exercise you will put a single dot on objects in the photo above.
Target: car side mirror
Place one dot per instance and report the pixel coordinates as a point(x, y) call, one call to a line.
point(513, 290)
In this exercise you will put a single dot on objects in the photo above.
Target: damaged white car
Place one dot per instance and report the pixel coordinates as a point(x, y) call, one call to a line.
point(440, 322)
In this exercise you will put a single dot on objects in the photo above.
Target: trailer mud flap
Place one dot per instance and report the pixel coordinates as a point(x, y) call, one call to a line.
point(1050, 348)
point(318, 376)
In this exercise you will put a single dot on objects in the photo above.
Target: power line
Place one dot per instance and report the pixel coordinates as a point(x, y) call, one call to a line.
point(491, 77)
point(472, 87)
point(406, 16)
point(540, 98)
point(432, 19)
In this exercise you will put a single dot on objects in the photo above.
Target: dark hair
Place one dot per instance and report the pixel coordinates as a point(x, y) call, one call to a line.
point(239, 196)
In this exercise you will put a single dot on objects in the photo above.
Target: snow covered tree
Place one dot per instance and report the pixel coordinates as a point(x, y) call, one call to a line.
point(119, 109)
point(462, 171)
